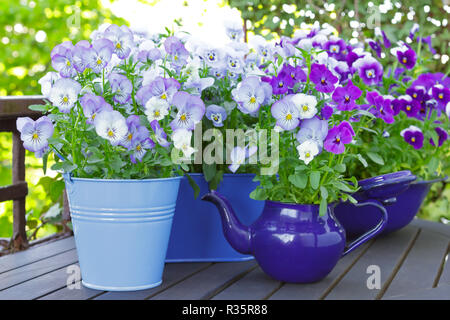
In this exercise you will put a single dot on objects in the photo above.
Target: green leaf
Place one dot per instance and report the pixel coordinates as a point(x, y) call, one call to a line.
point(216, 180)
point(56, 190)
point(44, 162)
point(258, 194)
point(314, 178)
point(366, 113)
point(362, 160)
point(375, 157)
point(343, 186)
point(38, 107)
point(323, 207)
point(433, 165)
point(298, 180)
point(340, 167)
point(209, 170)
point(194, 185)
point(323, 192)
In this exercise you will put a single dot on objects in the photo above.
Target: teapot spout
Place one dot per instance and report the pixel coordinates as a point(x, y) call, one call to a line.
point(238, 235)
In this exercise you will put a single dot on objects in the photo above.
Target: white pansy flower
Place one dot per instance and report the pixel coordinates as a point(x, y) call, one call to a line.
point(156, 109)
point(182, 141)
point(306, 105)
point(64, 94)
point(307, 151)
point(112, 126)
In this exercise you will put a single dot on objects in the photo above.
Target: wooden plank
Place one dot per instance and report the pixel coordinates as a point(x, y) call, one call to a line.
point(173, 274)
point(208, 282)
point(255, 285)
point(439, 293)
point(385, 253)
point(445, 275)
point(444, 229)
point(33, 254)
point(33, 270)
point(421, 266)
point(37, 287)
point(314, 291)
point(17, 106)
point(14, 192)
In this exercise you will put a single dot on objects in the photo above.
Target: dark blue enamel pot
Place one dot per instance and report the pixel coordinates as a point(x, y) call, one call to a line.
point(401, 195)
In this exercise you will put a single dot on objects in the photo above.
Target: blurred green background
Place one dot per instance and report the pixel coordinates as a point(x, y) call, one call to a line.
point(30, 29)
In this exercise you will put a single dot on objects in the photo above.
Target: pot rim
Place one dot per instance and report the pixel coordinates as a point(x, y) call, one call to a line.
point(440, 179)
point(225, 174)
point(122, 180)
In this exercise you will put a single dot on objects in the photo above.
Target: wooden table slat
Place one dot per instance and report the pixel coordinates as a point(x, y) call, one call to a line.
point(439, 293)
point(378, 256)
point(19, 259)
point(421, 266)
point(206, 283)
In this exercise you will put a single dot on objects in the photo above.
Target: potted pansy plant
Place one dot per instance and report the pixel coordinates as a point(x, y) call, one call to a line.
point(297, 238)
point(409, 134)
point(117, 130)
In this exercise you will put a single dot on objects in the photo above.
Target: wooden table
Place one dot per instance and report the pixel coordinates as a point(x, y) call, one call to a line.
point(412, 263)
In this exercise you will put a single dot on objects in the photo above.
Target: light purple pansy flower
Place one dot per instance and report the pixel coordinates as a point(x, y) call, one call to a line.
point(338, 137)
point(163, 88)
point(133, 124)
point(79, 55)
point(414, 136)
point(64, 94)
point(345, 97)
point(313, 129)
point(251, 93)
point(92, 105)
point(286, 113)
point(177, 51)
point(121, 87)
point(99, 55)
point(190, 110)
point(62, 59)
point(140, 144)
point(122, 39)
point(35, 134)
point(198, 84)
point(216, 114)
point(160, 135)
point(322, 78)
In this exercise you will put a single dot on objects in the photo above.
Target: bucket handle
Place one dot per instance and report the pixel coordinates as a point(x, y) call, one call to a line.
point(371, 233)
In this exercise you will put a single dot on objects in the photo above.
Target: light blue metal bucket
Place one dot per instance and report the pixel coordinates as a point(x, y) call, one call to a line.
point(122, 230)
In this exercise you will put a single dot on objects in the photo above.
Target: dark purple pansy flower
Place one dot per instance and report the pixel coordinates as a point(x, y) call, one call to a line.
point(326, 112)
point(375, 45)
point(386, 41)
point(407, 58)
point(411, 107)
point(442, 135)
point(280, 82)
point(413, 136)
point(416, 92)
point(338, 137)
point(383, 108)
point(345, 97)
point(335, 48)
point(294, 74)
point(369, 70)
point(441, 95)
point(322, 78)
point(427, 40)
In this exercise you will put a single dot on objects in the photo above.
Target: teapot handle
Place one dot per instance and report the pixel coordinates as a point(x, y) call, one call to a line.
point(371, 233)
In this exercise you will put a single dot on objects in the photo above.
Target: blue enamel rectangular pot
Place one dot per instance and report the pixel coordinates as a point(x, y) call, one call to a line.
point(401, 195)
point(197, 230)
point(121, 230)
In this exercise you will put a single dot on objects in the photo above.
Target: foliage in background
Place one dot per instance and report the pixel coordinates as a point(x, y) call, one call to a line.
point(28, 32)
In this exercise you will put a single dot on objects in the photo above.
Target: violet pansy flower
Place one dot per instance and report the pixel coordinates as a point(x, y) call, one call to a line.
point(383, 108)
point(345, 97)
point(122, 39)
point(79, 55)
point(251, 93)
point(62, 59)
point(140, 144)
point(175, 48)
point(133, 124)
point(313, 129)
point(338, 137)
point(442, 136)
point(407, 58)
point(99, 55)
point(369, 70)
point(216, 114)
point(121, 87)
point(413, 136)
point(322, 78)
point(92, 105)
point(35, 134)
point(441, 94)
point(190, 110)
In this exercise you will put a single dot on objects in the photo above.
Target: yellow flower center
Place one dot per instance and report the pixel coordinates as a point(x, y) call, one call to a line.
point(110, 133)
point(35, 136)
point(322, 81)
point(164, 96)
point(252, 100)
point(211, 57)
point(99, 61)
point(93, 116)
point(175, 58)
point(408, 108)
point(65, 99)
point(156, 113)
point(370, 73)
point(183, 117)
point(404, 60)
point(288, 116)
point(138, 148)
point(280, 84)
point(413, 139)
point(305, 108)
point(338, 139)
point(441, 96)
point(130, 136)
point(347, 99)
point(68, 63)
point(118, 45)
point(307, 155)
point(414, 95)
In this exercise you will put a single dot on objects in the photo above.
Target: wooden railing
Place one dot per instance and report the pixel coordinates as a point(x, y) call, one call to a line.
point(11, 108)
